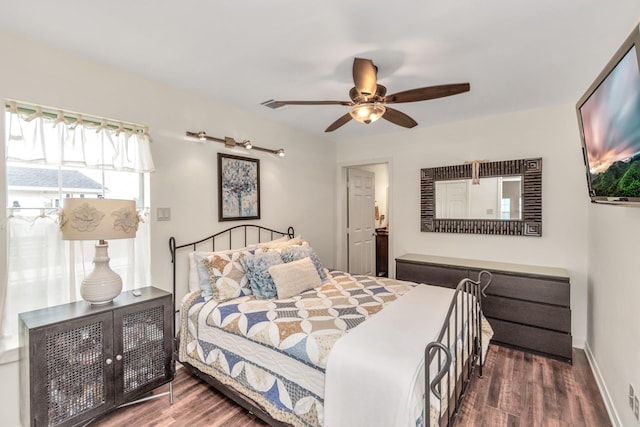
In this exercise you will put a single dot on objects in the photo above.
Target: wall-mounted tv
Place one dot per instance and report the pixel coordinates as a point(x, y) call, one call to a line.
point(609, 121)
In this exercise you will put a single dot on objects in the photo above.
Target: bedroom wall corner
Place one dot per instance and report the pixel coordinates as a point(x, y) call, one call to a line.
point(614, 292)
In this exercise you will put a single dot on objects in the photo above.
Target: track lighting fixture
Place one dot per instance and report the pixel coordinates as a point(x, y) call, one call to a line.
point(232, 143)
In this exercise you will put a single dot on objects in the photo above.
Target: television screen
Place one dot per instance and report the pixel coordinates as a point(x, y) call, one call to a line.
point(610, 124)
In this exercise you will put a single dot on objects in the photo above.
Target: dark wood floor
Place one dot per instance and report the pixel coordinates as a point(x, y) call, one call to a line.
point(518, 389)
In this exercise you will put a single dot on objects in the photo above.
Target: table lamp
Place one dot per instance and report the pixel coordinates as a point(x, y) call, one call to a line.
point(101, 220)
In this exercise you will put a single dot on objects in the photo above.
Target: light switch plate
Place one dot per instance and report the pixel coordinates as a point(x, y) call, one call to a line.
point(163, 214)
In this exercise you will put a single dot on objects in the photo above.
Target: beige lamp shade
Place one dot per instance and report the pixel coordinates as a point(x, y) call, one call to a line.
point(98, 219)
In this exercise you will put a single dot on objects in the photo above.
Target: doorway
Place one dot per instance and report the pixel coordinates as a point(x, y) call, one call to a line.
point(364, 238)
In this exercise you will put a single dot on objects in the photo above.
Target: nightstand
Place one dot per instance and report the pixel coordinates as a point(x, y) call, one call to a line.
point(79, 361)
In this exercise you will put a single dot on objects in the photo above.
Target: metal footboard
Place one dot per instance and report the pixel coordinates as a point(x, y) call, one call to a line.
point(456, 351)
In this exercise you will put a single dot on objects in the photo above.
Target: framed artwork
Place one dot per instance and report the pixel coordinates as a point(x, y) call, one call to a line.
point(238, 188)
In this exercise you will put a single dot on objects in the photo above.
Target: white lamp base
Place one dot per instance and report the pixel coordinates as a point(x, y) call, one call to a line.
point(103, 284)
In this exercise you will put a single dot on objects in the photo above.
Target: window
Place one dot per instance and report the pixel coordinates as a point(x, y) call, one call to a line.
point(52, 155)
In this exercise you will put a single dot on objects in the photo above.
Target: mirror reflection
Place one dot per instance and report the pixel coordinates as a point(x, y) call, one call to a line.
point(494, 198)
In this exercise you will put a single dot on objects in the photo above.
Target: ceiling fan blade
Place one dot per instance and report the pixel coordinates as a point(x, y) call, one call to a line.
point(365, 76)
point(341, 121)
point(425, 93)
point(399, 118)
point(348, 103)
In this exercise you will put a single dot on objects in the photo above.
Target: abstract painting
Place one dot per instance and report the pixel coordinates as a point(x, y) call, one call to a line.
point(238, 188)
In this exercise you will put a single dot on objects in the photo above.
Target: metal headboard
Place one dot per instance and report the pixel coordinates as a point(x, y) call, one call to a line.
point(246, 234)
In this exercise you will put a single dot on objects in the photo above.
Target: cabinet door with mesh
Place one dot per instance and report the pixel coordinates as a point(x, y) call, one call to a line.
point(142, 344)
point(72, 380)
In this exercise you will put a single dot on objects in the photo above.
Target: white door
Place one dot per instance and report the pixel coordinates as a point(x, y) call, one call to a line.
point(452, 199)
point(361, 221)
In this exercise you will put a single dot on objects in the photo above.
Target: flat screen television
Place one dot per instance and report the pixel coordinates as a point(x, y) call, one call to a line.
point(609, 121)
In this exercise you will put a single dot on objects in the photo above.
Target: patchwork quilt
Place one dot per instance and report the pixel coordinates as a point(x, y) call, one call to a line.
point(275, 351)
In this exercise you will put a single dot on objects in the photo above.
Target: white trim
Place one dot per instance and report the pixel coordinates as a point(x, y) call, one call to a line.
point(604, 392)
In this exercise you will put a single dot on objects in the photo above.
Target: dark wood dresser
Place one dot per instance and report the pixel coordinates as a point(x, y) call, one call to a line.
point(527, 306)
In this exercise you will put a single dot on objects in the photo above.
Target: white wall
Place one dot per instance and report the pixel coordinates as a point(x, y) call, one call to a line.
point(295, 189)
point(550, 133)
point(613, 340)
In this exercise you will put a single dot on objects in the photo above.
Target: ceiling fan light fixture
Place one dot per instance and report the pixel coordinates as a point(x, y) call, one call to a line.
point(368, 112)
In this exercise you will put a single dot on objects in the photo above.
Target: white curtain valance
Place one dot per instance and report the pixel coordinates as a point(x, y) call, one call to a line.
point(74, 140)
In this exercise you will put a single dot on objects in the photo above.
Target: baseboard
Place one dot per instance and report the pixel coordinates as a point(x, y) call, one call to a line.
point(608, 403)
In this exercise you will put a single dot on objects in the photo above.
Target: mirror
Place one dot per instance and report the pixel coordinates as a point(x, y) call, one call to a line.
point(507, 200)
point(490, 198)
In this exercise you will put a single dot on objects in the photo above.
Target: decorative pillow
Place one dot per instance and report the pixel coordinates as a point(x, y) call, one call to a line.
point(257, 267)
point(204, 283)
point(295, 277)
point(296, 252)
point(227, 276)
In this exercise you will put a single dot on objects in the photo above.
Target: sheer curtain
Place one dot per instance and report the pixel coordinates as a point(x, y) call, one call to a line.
point(42, 269)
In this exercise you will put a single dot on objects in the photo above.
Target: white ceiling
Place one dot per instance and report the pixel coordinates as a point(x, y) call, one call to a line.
point(515, 54)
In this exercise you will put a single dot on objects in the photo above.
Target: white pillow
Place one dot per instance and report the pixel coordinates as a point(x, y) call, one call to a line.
point(194, 278)
point(294, 277)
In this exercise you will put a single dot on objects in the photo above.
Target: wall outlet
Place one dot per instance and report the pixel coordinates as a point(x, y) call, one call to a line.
point(632, 395)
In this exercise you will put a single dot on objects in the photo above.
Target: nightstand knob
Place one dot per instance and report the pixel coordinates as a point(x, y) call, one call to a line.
point(119, 357)
point(108, 361)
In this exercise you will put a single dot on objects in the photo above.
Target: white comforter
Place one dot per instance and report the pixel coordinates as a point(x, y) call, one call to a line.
point(375, 374)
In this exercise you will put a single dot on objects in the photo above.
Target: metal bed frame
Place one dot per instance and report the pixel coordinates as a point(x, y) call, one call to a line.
point(466, 309)
point(466, 306)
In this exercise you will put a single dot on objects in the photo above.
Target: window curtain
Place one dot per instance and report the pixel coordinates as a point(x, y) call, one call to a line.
point(43, 270)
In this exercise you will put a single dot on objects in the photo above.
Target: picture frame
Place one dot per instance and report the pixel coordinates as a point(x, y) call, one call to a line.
point(238, 188)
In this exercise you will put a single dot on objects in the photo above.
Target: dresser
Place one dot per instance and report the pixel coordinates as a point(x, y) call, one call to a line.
point(79, 361)
point(527, 306)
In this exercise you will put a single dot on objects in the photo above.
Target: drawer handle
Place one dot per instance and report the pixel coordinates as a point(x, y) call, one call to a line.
point(119, 357)
point(109, 361)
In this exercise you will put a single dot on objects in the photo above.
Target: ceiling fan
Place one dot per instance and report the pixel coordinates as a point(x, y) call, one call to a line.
point(369, 99)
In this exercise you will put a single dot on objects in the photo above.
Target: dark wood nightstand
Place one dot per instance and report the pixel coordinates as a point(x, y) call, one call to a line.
point(79, 361)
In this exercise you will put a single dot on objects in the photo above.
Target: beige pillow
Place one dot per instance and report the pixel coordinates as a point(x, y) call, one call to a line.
point(282, 244)
point(295, 277)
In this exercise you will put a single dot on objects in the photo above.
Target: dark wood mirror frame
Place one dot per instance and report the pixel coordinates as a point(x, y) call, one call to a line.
point(529, 225)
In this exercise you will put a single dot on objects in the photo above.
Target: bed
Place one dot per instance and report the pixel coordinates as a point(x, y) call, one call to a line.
point(324, 348)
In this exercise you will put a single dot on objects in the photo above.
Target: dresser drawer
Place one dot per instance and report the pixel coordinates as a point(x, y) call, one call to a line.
point(528, 313)
point(535, 289)
point(430, 274)
point(540, 340)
